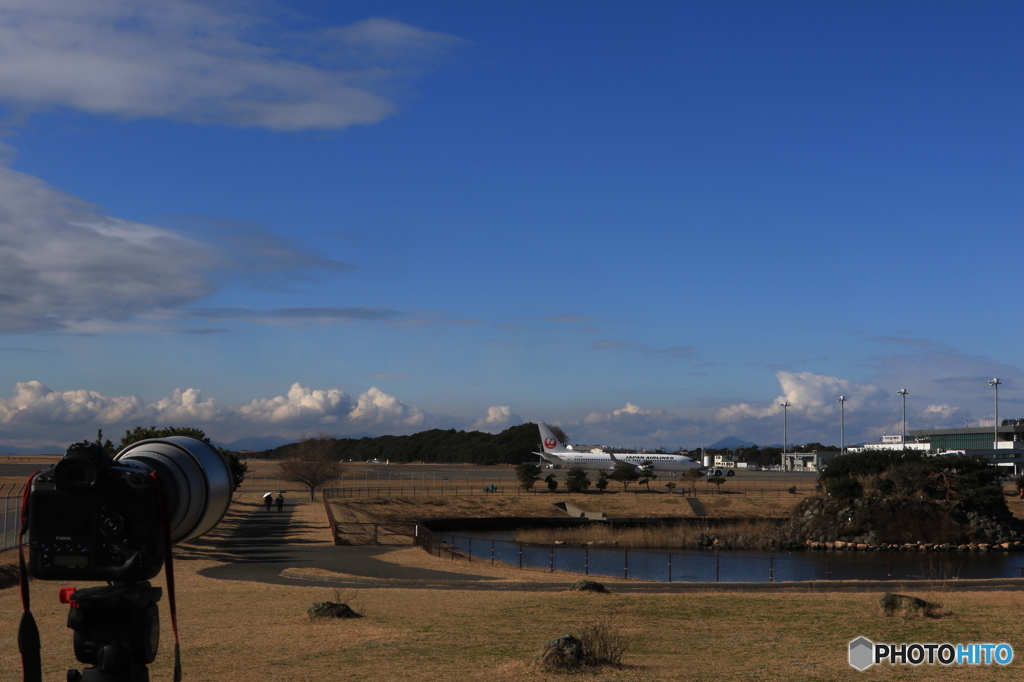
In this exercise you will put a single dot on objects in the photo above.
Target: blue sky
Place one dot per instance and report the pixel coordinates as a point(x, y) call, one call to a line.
point(648, 223)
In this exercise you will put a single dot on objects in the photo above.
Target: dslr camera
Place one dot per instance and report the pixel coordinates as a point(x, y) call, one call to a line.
point(91, 517)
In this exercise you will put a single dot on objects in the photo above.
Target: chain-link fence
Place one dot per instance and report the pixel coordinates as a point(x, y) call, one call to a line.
point(11, 495)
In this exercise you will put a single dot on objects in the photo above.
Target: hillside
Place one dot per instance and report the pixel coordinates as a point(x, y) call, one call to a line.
point(512, 446)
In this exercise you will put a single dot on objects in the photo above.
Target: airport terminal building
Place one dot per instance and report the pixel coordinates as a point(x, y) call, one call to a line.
point(1007, 450)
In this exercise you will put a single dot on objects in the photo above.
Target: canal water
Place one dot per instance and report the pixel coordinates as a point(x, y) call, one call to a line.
point(740, 566)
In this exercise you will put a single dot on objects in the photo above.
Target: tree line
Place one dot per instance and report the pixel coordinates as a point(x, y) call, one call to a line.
point(436, 446)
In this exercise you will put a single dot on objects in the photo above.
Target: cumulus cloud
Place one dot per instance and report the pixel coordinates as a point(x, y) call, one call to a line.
point(204, 62)
point(185, 407)
point(35, 404)
point(36, 413)
point(300, 405)
point(941, 412)
point(815, 414)
point(375, 407)
point(499, 418)
point(635, 423)
point(812, 396)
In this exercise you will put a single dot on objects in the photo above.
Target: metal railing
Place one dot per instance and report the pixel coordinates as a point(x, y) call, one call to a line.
point(11, 495)
point(504, 484)
point(703, 566)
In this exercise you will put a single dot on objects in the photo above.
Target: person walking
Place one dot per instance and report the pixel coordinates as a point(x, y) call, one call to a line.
point(268, 499)
point(280, 502)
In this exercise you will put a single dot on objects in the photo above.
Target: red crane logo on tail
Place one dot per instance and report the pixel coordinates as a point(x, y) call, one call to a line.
point(550, 442)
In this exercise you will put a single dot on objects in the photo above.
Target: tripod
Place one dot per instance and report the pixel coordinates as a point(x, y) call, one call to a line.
point(117, 631)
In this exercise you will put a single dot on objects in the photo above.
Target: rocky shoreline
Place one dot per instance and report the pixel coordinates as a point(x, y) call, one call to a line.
point(840, 546)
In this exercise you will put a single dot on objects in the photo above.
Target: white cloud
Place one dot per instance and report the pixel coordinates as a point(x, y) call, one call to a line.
point(300, 405)
point(633, 423)
point(205, 62)
point(65, 266)
point(375, 407)
point(941, 412)
point(185, 407)
point(815, 414)
point(499, 418)
point(35, 404)
point(62, 262)
point(812, 397)
point(36, 414)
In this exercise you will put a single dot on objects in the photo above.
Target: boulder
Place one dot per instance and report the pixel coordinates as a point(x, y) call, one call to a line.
point(330, 609)
point(560, 653)
point(588, 586)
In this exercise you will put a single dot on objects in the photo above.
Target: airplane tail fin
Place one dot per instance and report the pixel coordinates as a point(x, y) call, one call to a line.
point(549, 441)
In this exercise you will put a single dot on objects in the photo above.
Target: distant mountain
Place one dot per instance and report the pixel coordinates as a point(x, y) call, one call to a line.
point(730, 443)
point(46, 450)
point(256, 443)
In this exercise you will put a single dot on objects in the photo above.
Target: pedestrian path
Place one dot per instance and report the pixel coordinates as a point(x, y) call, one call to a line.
point(264, 544)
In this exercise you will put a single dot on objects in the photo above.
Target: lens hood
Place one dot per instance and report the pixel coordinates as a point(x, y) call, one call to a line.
point(195, 477)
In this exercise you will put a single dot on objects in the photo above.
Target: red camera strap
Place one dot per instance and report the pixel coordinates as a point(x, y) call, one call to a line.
point(28, 632)
point(165, 522)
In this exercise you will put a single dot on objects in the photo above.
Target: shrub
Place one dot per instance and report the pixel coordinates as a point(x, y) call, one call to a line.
point(791, 490)
point(527, 474)
point(844, 487)
point(884, 486)
point(603, 643)
point(576, 480)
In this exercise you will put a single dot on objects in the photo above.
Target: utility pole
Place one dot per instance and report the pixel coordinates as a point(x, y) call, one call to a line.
point(785, 405)
point(842, 424)
point(994, 383)
point(903, 392)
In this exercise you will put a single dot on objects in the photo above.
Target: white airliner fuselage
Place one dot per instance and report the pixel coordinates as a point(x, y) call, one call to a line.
point(556, 453)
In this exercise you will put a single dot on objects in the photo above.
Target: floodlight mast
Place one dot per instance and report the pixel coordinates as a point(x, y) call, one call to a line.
point(785, 405)
point(994, 383)
point(842, 424)
point(903, 392)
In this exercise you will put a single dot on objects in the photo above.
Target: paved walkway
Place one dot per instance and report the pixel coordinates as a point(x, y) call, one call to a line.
point(266, 543)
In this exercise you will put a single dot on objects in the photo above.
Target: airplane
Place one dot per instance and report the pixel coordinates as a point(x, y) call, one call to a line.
point(555, 452)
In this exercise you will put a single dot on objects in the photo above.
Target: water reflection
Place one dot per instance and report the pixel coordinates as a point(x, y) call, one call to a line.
point(740, 566)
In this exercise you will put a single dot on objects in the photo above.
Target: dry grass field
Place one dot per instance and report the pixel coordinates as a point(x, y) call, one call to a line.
point(241, 630)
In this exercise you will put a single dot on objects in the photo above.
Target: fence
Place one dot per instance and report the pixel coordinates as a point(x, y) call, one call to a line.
point(11, 514)
point(426, 483)
point(707, 566)
point(345, 533)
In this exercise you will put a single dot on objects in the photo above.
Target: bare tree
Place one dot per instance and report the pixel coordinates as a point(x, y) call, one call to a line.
point(559, 434)
point(313, 463)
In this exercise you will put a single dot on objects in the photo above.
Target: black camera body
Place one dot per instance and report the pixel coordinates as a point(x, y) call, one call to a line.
point(94, 518)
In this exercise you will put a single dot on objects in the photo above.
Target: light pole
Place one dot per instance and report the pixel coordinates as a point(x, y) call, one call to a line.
point(994, 383)
point(785, 405)
point(842, 424)
point(903, 392)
